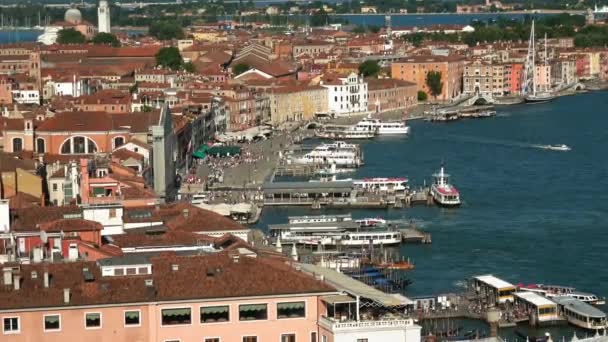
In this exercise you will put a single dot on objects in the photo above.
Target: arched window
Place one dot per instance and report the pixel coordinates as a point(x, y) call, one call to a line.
point(119, 141)
point(17, 144)
point(78, 145)
point(40, 148)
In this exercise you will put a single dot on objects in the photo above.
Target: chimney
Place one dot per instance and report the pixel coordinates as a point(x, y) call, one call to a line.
point(84, 180)
point(8, 276)
point(46, 280)
point(66, 296)
point(186, 212)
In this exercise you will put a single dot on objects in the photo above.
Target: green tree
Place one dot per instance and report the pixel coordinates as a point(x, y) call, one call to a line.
point(422, 96)
point(369, 68)
point(240, 68)
point(106, 39)
point(189, 67)
point(169, 57)
point(166, 30)
point(70, 36)
point(434, 82)
point(320, 18)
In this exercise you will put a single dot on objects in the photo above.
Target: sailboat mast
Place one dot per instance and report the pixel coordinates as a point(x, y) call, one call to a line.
point(545, 64)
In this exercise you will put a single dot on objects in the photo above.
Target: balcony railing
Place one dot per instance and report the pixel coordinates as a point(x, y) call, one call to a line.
point(347, 325)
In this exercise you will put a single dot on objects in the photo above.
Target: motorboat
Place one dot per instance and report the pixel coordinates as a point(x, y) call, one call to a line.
point(561, 147)
point(382, 127)
point(539, 98)
point(444, 193)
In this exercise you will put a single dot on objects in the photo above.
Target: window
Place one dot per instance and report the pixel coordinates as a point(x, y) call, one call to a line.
point(324, 338)
point(17, 145)
point(54, 186)
point(250, 339)
point(40, 145)
point(361, 340)
point(119, 141)
point(288, 338)
point(92, 320)
point(212, 339)
point(78, 145)
point(52, 322)
point(132, 318)
point(291, 310)
point(252, 312)
point(10, 325)
point(313, 336)
point(212, 314)
point(176, 316)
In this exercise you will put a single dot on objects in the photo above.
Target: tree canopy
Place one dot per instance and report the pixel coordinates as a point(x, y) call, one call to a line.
point(422, 96)
point(166, 30)
point(106, 39)
point(369, 68)
point(434, 82)
point(169, 57)
point(70, 36)
point(240, 68)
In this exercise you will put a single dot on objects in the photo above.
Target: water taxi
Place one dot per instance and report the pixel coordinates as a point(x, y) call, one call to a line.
point(581, 314)
point(561, 147)
point(444, 193)
point(381, 127)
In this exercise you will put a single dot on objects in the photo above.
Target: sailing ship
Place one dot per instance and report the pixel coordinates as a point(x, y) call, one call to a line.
point(530, 88)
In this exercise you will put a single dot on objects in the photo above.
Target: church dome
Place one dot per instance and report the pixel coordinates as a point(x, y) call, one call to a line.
point(73, 16)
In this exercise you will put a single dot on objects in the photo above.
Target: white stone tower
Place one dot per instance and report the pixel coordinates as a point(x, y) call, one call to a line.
point(103, 16)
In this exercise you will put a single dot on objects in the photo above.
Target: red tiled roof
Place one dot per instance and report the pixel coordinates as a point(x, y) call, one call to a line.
point(28, 220)
point(211, 276)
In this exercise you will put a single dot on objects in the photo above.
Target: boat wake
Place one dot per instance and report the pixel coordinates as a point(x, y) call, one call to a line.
point(508, 143)
point(497, 142)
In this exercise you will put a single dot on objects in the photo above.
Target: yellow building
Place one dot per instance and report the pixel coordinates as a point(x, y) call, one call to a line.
point(296, 103)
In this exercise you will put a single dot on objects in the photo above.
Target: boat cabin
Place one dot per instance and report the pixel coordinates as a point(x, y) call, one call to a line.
point(581, 314)
point(539, 309)
point(494, 289)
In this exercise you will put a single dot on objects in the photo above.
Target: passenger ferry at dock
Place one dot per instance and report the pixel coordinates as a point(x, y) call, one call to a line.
point(334, 230)
point(581, 314)
point(382, 184)
point(343, 132)
point(339, 153)
point(551, 291)
point(382, 128)
point(319, 219)
point(444, 193)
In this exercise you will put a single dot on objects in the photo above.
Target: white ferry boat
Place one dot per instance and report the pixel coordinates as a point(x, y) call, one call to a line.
point(382, 184)
point(382, 128)
point(444, 193)
point(332, 231)
point(370, 222)
point(561, 147)
point(339, 158)
point(319, 219)
point(551, 291)
point(581, 314)
point(341, 132)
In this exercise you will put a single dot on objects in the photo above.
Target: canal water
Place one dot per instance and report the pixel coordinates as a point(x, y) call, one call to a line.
point(530, 215)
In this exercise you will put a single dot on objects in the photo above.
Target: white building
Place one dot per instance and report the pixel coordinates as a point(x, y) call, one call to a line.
point(103, 17)
point(346, 95)
point(26, 96)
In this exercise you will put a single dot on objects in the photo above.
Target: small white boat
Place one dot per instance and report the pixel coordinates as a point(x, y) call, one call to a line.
point(444, 193)
point(371, 222)
point(561, 147)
